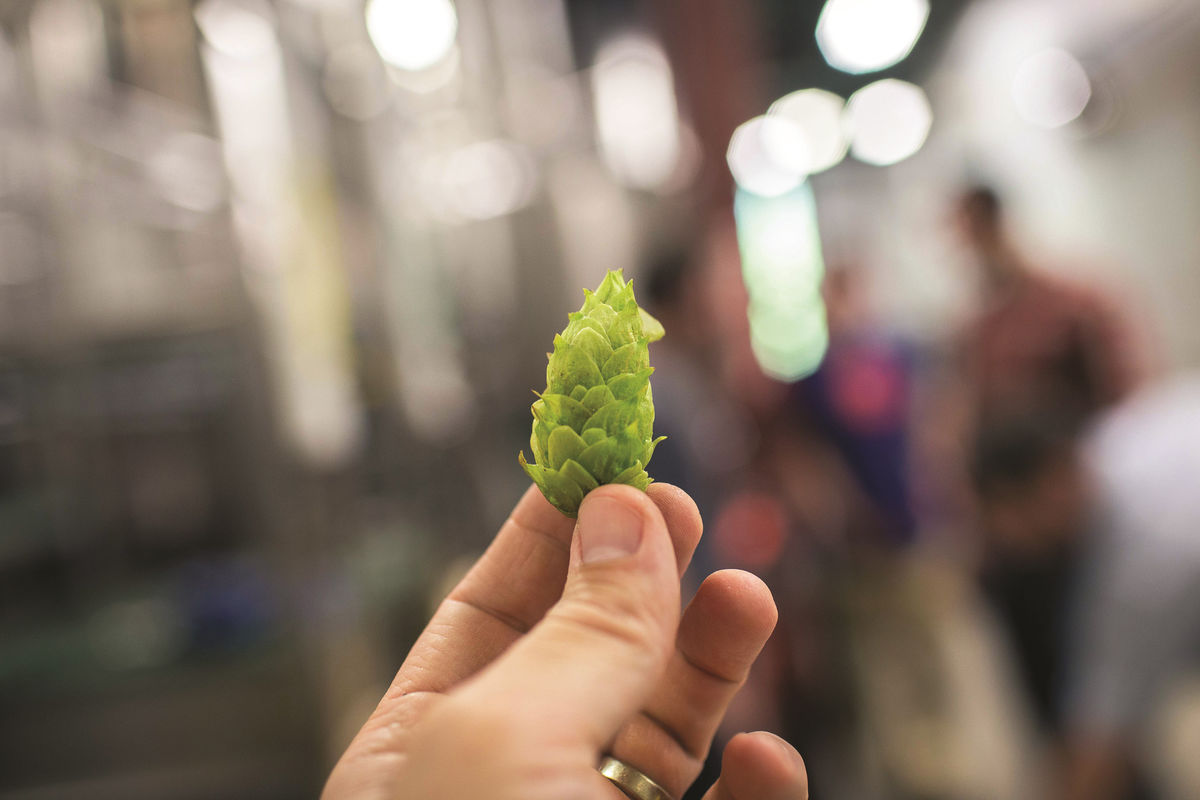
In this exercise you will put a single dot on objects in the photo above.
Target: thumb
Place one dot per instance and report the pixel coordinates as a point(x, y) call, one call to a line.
point(595, 657)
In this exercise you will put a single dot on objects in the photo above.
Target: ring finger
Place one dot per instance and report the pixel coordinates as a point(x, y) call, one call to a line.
point(720, 634)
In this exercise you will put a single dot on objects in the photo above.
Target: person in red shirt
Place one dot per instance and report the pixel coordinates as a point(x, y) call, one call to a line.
point(1050, 355)
point(1041, 341)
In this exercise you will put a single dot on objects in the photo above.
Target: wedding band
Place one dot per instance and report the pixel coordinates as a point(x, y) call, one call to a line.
point(632, 782)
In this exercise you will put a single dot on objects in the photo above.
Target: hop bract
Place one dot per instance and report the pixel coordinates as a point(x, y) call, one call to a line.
point(593, 425)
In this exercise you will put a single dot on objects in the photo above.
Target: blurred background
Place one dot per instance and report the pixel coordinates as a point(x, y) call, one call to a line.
point(277, 276)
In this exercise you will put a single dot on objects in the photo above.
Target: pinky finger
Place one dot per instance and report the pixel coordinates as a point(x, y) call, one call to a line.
point(760, 766)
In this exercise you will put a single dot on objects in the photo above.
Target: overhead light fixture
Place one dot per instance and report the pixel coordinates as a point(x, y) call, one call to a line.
point(860, 36)
point(888, 121)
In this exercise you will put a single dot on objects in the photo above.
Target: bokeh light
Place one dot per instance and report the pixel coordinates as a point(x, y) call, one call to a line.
point(66, 45)
point(751, 530)
point(488, 179)
point(637, 120)
point(412, 34)
point(234, 30)
point(768, 155)
point(859, 36)
point(818, 115)
point(186, 170)
point(782, 267)
point(888, 121)
point(1051, 88)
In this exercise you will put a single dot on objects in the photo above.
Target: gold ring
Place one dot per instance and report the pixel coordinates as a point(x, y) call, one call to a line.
point(632, 782)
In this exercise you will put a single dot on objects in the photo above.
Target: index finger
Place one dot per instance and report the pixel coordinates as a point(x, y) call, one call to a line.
point(513, 585)
point(505, 593)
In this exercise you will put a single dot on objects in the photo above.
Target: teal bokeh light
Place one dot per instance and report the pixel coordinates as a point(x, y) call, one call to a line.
point(782, 267)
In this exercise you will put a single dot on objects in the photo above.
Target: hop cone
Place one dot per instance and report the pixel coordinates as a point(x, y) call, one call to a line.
point(593, 423)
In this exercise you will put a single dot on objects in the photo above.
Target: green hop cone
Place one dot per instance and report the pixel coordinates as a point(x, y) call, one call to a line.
point(593, 425)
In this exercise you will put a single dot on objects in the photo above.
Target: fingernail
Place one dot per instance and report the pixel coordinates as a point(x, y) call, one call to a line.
point(608, 529)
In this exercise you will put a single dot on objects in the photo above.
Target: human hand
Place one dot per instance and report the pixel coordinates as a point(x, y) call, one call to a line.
point(564, 643)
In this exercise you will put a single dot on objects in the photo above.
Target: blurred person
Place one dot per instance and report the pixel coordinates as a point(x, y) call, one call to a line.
point(1097, 573)
point(562, 654)
point(860, 397)
point(1033, 507)
point(1042, 358)
point(1040, 341)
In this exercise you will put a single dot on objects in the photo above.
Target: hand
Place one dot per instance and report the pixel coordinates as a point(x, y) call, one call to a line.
point(564, 643)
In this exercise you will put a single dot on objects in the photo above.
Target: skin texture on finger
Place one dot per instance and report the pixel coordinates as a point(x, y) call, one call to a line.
point(591, 663)
point(683, 520)
point(467, 750)
point(760, 766)
point(720, 634)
